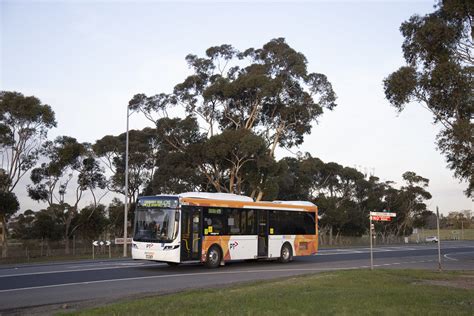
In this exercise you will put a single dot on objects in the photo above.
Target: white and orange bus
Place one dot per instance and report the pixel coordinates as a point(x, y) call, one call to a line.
point(217, 227)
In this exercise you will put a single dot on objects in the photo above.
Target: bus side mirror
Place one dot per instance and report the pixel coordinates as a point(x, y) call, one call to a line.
point(176, 217)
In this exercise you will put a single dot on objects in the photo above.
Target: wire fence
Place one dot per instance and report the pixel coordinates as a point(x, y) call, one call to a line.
point(44, 250)
point(33, 250)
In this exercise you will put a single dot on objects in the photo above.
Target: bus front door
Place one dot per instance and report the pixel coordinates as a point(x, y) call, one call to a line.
point(262, 229)
point(190, 233)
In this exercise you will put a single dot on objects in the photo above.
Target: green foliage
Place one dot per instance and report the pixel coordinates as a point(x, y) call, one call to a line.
point(115, 217)
point(48, 224)
point(8, 204)
point(65, 157)
point(438, 49)
point(22, 225)
point(458, 220)
point(227, 154)
point(408, 203)
point(345, 196)
point(24, 122)
point(91, 222)
point(142, 151)
point(267, 92)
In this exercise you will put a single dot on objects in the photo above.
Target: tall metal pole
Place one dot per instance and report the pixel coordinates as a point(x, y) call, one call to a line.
point(439, 240)
point(371, 253)
point(125, 217)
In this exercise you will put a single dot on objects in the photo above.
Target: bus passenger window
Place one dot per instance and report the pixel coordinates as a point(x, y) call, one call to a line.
point(213, 221)
point(233, 221)
point(250, 223)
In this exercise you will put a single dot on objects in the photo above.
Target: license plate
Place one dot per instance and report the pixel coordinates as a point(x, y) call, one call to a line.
point(149, 255)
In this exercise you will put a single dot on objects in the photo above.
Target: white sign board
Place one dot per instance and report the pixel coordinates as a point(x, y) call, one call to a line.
point(383, 214)
point(119, 241)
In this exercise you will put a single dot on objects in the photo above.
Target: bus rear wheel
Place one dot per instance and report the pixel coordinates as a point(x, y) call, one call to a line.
point(286, 254)
point(213, 257)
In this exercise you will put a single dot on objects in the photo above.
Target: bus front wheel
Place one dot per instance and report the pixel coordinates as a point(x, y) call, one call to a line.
point(286, 253)
point(213, 257)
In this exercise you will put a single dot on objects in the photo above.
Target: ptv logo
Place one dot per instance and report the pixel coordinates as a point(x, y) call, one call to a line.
point(233, 245)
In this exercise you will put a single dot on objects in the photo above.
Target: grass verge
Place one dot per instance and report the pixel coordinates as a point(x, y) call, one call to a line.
point(354, 292)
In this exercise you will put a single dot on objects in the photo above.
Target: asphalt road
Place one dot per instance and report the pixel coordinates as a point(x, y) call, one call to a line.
point(44, 288)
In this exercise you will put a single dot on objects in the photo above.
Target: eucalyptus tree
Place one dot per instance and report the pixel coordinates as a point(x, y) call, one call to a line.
point(22, 226)
point(179, 157)
point(408, 203)
point(439, 74)
point(48, 225)
point(24, 123)
point(142, 154)
point(70, 165)
point(91, 222)
point(340, 193)
point(8, 206)
point(267, 91)
point(115, 216)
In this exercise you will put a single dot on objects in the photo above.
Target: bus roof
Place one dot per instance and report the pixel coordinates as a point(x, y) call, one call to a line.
point(240, 201)
point(216, 196)
point(236, 201)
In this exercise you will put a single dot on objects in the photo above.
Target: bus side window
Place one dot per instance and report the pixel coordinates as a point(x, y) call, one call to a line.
point(250, 230)
point(233, 221)
point(213, 221)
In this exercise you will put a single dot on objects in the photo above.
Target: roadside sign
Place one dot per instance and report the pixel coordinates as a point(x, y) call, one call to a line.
point(120, 241)
point(95, 243)
point(107, 243)
point(381, 218)
point(377, 216)
point(383, 214)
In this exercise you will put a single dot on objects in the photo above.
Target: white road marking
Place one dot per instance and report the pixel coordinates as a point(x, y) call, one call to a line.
point(331, 252)
point(79, 270)
point(207, 273)
point(447, 257)
point(457, 253)
point(322, 252)
point(103, 264)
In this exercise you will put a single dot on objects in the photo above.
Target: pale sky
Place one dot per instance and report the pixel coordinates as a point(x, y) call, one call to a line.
point(88, 58)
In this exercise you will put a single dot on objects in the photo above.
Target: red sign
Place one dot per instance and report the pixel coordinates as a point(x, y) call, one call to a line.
point(382, 218)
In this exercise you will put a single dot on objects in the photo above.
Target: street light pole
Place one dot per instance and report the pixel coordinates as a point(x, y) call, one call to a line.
point(439, 240)
point(371, 247)
point(125, 217)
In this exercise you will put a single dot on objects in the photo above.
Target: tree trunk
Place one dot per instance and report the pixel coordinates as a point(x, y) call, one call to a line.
point(4, 249)
point(66, 246)
point(330, 235)
point(66, 235)
point(3, 238)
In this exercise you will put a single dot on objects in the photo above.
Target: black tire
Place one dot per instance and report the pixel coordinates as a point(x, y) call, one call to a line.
point(213, 257)
point(173, 264)
point(286, 253)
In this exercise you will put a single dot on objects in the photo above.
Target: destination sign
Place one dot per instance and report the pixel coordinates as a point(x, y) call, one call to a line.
point(164, 203)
